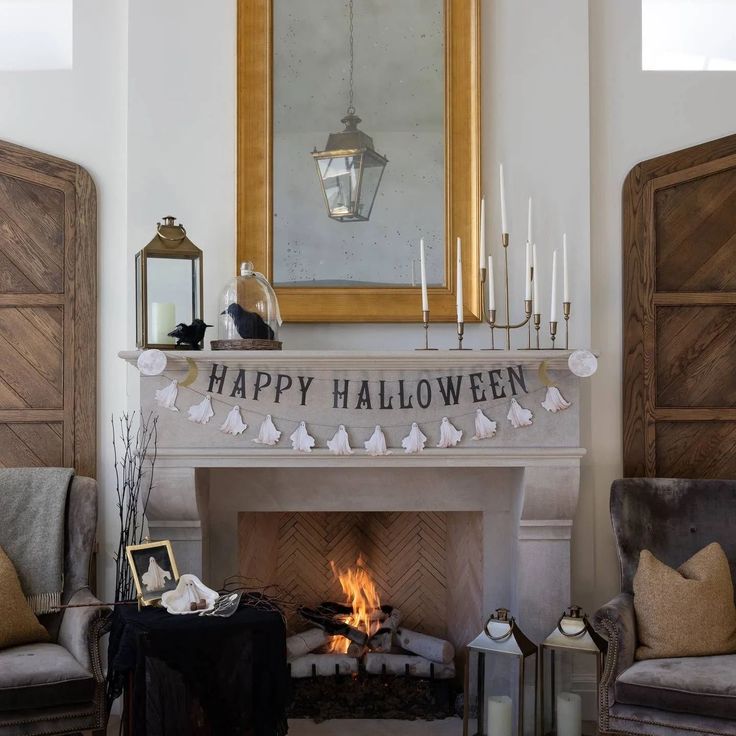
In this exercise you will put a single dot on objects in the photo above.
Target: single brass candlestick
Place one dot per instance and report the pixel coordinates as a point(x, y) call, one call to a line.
point(566, 315)
point(537, 326)
point(553, 332)
point(425, 322)
point(460, 333)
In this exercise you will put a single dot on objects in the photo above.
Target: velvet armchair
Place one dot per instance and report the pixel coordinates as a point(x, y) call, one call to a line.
point(59, 687)
point(674, 697)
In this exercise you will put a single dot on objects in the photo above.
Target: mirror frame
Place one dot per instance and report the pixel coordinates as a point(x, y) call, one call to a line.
point(462, 178)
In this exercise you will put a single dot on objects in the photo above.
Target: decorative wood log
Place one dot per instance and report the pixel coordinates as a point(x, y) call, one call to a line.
point(306, 642)
point(430, 647)
point(323, 665)
point(355, 650)
point(404, 664)
point(382, 640)
point(336, 628)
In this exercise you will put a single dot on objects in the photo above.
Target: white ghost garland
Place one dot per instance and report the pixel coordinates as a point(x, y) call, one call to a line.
point(234, 423)
point(268, 434)
point(376, 445)
point(166, 397)
point(554, 400)
point(485, 428)
point(449, 434)
point(414, 441)
point(190, 589)
point(201, 413)
point(340, 443)
point(518, 415)
point(301, 440)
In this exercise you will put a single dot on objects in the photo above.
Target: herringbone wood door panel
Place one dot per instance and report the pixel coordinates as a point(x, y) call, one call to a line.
point(48, 236)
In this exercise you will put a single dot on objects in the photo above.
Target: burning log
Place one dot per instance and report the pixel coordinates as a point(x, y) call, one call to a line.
point(404, 664)
point(323, 665)
point(429, 647)
point(331, 626)
point(383, 639)
point(306, 642)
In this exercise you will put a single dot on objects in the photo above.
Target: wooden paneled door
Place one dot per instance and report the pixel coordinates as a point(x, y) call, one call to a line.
point(48, 253)
point(680, 314)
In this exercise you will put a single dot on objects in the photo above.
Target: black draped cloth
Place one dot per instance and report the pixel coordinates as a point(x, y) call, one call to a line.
point(200, 675)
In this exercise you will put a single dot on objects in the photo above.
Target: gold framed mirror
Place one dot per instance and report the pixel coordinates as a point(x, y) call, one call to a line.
point(416, 85)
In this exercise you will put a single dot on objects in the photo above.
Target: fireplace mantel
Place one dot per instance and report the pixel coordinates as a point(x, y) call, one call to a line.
point(539, 465)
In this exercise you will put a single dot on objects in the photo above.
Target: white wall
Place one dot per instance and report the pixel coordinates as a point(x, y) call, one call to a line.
point(80, 115)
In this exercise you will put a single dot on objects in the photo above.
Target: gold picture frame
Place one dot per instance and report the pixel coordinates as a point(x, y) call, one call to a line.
point(462, 178)
point(160, 553)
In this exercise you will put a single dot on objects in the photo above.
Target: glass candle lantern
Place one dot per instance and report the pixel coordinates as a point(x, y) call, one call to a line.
point(168, 280)
point(249, 316)
point(574, 635)
point(501, 637)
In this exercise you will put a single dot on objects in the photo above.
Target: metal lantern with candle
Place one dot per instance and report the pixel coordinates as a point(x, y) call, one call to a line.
point(502, 637)
point(574, 635)
point(168, 280)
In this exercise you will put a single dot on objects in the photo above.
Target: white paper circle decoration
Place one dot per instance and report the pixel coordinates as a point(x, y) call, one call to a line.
point(583, 363)
point(152, 362)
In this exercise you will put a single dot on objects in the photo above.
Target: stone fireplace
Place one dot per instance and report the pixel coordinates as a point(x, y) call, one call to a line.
point(452, 533)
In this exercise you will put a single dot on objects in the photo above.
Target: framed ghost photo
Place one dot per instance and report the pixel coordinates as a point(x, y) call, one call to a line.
point(154, 570)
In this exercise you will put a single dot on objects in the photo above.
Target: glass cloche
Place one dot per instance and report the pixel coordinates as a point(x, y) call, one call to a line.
point(249, 317)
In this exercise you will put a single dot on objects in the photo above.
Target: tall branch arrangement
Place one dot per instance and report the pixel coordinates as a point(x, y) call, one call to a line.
point(134, 443)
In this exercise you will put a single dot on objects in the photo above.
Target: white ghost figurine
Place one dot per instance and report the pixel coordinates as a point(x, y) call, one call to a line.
point(449, 434)
point(376, 445)
point(190, 589)
point(166, 397)
point(414, 441)
point(234, 423)
point(555, 401)
point(268, 434)
point(154, 579)
point(301, 440)
point(340, 443)
point(485, 428)
point(518, 415)
point(202, 412)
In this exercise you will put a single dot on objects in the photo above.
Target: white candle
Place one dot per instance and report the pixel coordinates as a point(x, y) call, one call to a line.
point(569, 715)
point(553, 298)
point(491, 287)
point(536, 279)
point(504, 227)
point(482, 259)
point(565, 279)
point(529, 238)
point(460, 313)
point(500, 716)
point(423, 274)
point(528, 273)
point(163, 321)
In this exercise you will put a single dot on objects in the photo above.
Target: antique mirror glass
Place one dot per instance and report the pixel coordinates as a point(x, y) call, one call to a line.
point(359, 156)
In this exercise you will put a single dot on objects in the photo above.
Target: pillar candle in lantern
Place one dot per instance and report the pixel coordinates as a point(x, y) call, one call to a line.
point(500, 715)
point(569, 715)
point(163, 321)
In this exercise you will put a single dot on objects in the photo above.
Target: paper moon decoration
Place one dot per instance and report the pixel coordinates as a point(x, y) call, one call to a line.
point(152, 362)
point(544, 378)
point(191, 375)
point(583, 363)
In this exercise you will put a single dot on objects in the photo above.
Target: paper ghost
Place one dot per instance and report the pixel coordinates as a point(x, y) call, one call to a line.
point(518, 415)
point(268, 434)
point(340, 443)
point(301, 440)
point(414, 441)
point(376, 445)
point(190, 589)
point(234, 423)
point(166, 397)
point(555, 401)
point(202, 412)
point(449, 434)
point(485, 428)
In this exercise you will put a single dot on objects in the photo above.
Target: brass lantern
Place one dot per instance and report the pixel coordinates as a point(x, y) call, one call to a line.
point(350, 169)
point(501, 636)
point(573, 635)
point(168, 281)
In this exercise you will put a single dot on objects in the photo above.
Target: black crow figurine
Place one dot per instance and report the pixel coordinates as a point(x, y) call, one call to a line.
point(250, 325)
point(191, 335)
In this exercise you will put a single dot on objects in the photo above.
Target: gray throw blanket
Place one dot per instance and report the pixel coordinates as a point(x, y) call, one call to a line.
point(32, 506)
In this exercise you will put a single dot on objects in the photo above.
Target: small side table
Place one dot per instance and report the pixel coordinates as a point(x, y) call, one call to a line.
point(199, 675)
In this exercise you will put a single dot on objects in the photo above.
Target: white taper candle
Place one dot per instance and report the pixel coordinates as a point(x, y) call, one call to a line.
point(504, 225)
point(565, 277)
point(553, 298)
point(460, 313)
point(491, 287)
point(528, 273)
point(423, 274)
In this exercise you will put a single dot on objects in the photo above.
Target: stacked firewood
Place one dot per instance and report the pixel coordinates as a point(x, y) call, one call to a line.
point(390, 650)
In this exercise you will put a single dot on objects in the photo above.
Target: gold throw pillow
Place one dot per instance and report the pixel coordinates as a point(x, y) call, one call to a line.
point(688, 612)
point(18, 623)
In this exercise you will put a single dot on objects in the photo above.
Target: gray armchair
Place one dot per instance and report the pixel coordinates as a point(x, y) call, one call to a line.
point(674, 697)
point(59, 687)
